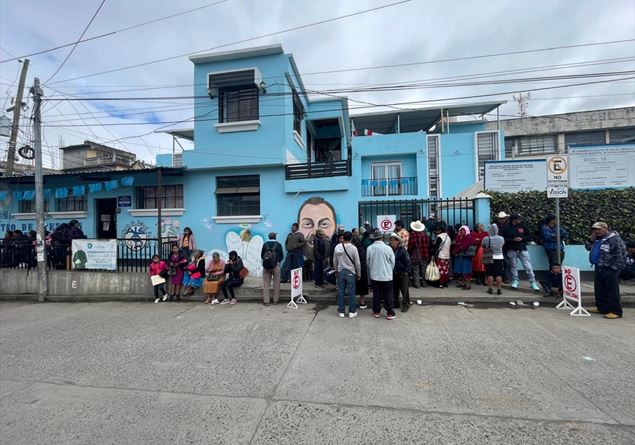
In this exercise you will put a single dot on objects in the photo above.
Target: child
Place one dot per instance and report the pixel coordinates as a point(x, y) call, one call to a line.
point(553, 284)
point(160, 268)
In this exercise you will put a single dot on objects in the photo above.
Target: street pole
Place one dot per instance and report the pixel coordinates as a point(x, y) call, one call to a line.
point(40, 247)
point(558, 250)
point(159, 210)
point(15, 125)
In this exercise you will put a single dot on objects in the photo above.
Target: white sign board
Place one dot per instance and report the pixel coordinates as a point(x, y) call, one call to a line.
point(602, 167)
point(94, 254)
point(557, 176)
point(515, 176)
point(296, 288)
point(572, 290)
point(386, 223)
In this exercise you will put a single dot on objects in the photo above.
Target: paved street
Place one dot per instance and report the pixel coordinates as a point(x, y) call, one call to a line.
point(78, 373)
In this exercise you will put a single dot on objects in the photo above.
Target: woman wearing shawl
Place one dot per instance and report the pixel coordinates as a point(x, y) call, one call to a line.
point(215, 277)
point(478, 268)
point(463, 252)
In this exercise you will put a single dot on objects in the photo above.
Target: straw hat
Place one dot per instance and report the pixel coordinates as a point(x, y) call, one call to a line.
point(502, 215)
point(376, 235)
point(417, 226)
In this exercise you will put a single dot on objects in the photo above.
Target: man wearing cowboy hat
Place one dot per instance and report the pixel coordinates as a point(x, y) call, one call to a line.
point(380, 259)
point(419, 251)
point(608, 255)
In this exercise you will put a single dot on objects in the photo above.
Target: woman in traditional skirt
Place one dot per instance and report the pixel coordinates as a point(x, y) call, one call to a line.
point(194, 273)
point(215, 277)
point(478, 268)
point(463, 253)
point(176, 263)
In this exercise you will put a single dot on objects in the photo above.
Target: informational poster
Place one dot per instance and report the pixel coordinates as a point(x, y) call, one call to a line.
point(94, 254)
point(557, 176)
point(610, 166)
point(515, 176)
point(386, 223)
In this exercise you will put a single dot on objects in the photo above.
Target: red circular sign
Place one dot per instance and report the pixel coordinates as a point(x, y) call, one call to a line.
point(570, 283)
point(296, 281)
point(386, 224)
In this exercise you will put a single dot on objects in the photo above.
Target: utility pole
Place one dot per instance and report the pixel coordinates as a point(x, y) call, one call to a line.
point(40, 247)
point(15, 125)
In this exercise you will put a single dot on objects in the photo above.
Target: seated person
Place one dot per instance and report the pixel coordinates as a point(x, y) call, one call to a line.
point(553, 284)
point(237, 273)
point(628, 273)
point(194, 273)
point(215, 277)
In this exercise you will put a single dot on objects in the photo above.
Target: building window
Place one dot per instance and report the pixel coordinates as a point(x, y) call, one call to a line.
point(172, 197)
point(509, 148)
point(238, 195)
point(537, 145)
point(238, 104)
point(386, 178)
point(433, 165)
point(70, 203)
point(298, 113)
point(29, 206)
point(585, 138)
point(486, 150)
point(619, 135)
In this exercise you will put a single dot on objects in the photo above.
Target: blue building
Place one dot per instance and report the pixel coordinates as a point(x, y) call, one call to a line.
point(266, 154)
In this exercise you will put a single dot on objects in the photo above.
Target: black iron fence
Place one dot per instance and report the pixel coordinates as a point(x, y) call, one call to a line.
point(133, 255)
point(318, 169)
point(451, 210)
point(389, 186)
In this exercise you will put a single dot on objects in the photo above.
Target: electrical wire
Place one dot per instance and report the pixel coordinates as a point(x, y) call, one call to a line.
point(76, 43)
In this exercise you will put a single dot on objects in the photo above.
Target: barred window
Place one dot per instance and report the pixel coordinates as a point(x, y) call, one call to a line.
point(172, 197)
point(238, 195)
point(238, 104)
point(537, 145)
point(70, 203)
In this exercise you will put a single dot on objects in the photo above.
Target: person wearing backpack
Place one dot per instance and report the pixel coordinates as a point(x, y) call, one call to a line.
point(271, 255)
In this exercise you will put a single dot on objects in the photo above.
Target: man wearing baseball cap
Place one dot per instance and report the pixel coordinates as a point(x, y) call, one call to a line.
point(608, 255)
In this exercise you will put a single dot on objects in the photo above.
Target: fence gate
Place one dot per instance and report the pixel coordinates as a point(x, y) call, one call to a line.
point(451, 210)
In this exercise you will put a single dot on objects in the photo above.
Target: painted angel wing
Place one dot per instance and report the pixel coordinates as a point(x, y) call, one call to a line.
point(252, 256)
point(234, 242)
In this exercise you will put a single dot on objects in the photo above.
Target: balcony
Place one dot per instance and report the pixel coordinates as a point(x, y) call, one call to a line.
point(318, 169)
point(389, 186)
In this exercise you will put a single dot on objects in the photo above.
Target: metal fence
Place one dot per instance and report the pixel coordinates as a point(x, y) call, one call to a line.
point(389, 187)
point(451, 210)
point(318, 169)
point(133, 255)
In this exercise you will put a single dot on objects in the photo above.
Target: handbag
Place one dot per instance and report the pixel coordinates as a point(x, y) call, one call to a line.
point(171, 271)
point(213, 277)
point(432, 272)
point(471, 251)
point(488, 255)
point(243, 273)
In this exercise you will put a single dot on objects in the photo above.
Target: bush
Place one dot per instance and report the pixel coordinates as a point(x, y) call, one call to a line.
point(577, 212)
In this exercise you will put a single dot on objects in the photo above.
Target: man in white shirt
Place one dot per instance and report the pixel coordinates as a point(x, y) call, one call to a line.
point(381, 262)
point(346, 262)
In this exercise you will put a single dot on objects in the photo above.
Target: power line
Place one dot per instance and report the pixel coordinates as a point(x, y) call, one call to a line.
point(112, 32)
point(77, 42)
point(295, 28)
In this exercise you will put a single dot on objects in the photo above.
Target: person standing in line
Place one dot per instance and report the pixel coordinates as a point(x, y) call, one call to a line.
point(187, 243)
point(463, 259)
point(381, 262)
point(548, 236)
point(335, 240)
point(160, 268)
point(628, 273)
point(502, 221)
point(608, 255)
point(346, 262)
point(516, 237)
point(176, 271)
point(494, 271)
point(361, 287)
point(401, 279)
point(271, 255)
point(295, 253)
point(403, 233)
point(319, 255)
point(441, 255)
point(478, 268)
point(419, 251)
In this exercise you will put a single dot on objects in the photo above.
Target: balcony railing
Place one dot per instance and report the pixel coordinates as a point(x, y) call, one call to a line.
point(389, 186)
point(318, 169)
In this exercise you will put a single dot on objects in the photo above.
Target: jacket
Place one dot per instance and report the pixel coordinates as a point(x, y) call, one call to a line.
point(548, 237)
point(157, 268)
point(612, 252)
point(276, 247)
point(319, 248)
point(419, 242)
point(342, 261)
point(512, 231)
point(295, 242)
point(381, 261)
point(234, 269)
point(402, 261)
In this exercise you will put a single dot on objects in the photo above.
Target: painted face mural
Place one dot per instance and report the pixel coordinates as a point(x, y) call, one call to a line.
point(316, 213)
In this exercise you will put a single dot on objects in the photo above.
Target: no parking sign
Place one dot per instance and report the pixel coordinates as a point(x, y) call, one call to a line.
point(386, 223)
point(296, 288)
point(571, 290)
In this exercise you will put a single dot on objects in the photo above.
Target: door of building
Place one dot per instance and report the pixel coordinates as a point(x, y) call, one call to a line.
point(106, 212)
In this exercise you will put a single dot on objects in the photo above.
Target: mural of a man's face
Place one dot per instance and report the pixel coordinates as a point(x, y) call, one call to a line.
point(316, 216)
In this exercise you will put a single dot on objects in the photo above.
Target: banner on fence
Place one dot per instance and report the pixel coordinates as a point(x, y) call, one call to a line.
point(386, 223)
point(94, 254)
point(572, 290)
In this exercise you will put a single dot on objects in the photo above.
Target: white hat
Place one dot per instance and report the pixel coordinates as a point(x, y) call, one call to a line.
point(395, 236)
point(417, 226)
point(502, 215)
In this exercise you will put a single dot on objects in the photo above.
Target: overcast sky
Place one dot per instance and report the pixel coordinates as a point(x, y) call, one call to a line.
point(414, 31)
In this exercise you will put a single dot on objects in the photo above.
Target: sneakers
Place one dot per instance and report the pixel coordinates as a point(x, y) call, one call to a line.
point(515, 284)
point(215, 301)
point(341, 314)
point(534, 286)
point(391, 317)
point(225, 301)
point(165, 297)
point(352, 314)
point(233, 301)
point(363, 306)
point(376, 315)
point(156, 300)
point(612, 316)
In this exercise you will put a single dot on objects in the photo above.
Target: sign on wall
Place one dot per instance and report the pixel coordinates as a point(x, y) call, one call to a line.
point(386, 223)
point(557, 176)
point(94, 254)
point(602, 167)
point(124, 201)
point(515, 176)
